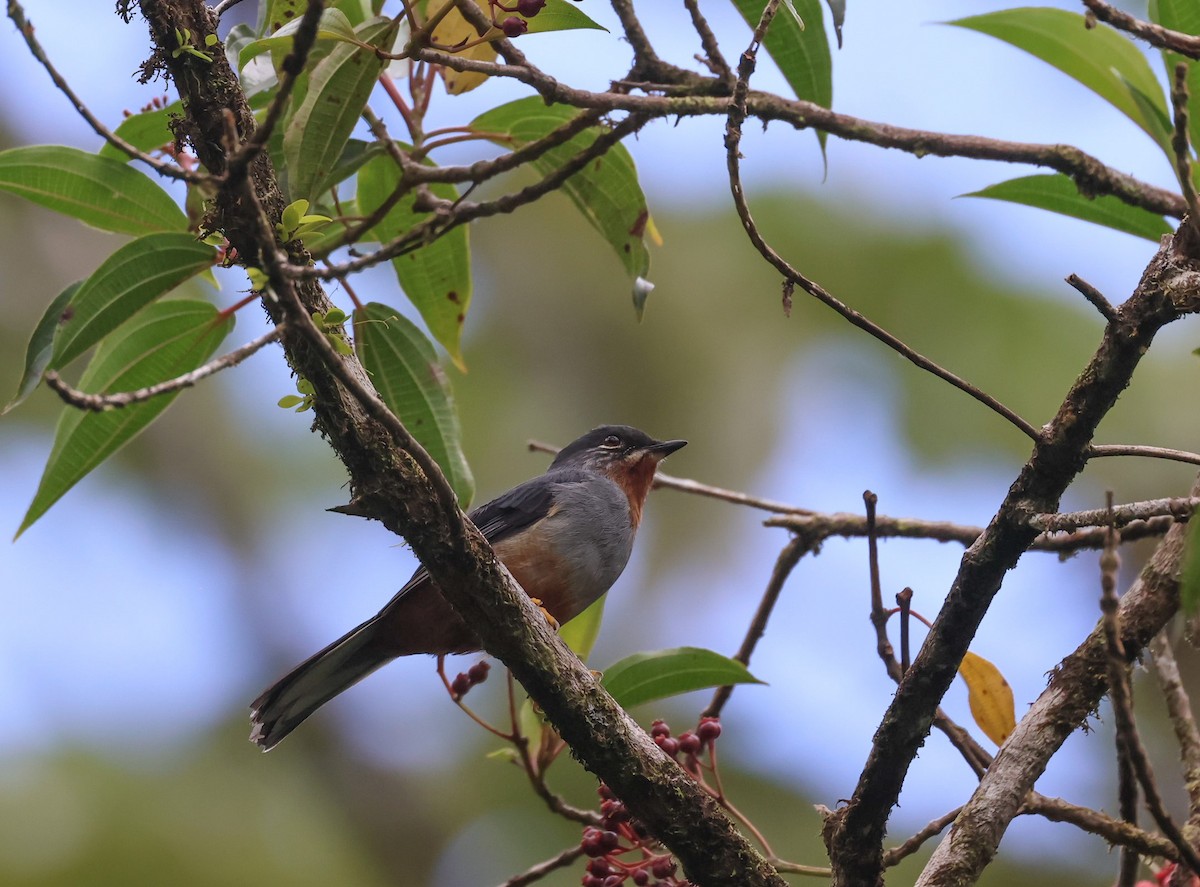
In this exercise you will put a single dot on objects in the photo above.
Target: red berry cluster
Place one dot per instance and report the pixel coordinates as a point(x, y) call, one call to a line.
point(464, 681)
point(619, 835)
point(513, 26)
point(691, 744)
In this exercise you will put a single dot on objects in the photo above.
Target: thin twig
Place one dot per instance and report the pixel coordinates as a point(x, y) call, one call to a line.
point(1094, 296)
point(896, 854)
point(100, 403)
point(1114, 831)
point(1179, 708)
point(1179, 145)
point(1127, 792)
point(1121, 697)
point(17, 13)
point(713, 58)
point(733, 137)
point(1097, 451)
point(1115, 516)
point(539, 871)
point(784, 564)
point(1155, 35)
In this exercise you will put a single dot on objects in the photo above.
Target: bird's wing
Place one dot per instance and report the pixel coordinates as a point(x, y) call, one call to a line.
point(519, 508)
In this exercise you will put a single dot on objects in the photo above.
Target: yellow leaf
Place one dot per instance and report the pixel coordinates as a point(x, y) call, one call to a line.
point(990, 696)
point(454, 30)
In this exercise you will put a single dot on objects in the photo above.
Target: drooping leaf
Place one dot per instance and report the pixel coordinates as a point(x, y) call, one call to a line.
point(166, 340)
point(1189, 577)
point(333, 26)
point(606, 191)
point(405, 371)
point(1057, 193)
point(146, 131)
point(800, 51)
point(581, 632)
point(354, 155)
point(1101, 59)
point(275, 14)
point(644, 677)
point(338, 89)
point(99, 191)
point(990, 697)
point(41, 346)
point(127, 281)
point(436, 277)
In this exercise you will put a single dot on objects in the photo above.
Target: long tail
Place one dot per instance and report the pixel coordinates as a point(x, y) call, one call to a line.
point(285, 704)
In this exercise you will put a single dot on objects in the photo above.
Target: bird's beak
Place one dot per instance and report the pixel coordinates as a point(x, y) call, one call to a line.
point(660, 450)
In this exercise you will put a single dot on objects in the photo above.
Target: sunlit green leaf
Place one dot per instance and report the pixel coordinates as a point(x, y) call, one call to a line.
point(127, 281)
point(338, 89)
point(405, 371)
point(436, 277)
point(1103, 60)
point(1058, 193)
point(644, 677)
point(99, 191)
point(165, 340)
point(561, 15)
point(41, 346)
point(607, 191)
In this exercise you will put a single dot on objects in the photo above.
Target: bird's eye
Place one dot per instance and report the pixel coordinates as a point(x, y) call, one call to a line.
point(611, 442)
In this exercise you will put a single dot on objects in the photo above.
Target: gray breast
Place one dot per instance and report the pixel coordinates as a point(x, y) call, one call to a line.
point(590, 531)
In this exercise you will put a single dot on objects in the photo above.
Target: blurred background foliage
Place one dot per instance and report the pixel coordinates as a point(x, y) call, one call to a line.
point(151, 605)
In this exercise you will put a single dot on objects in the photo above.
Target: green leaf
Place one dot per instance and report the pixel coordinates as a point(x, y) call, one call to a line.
point(559, 15)
point(581, 632)
point(146, 131)
point(1103, 60)
point(1182, 16)
point(99, 191)
point(436, 277)
point(275, 14)
point(127, 281)
point(607, 191)
point(1058, 193)
point(333, 26)
point(356, 153)
point(164, 341)
point(644, 677)
point(1189, 577)
point(338, 89)
point(41, 346)
point(801, 52)
point(405, 371)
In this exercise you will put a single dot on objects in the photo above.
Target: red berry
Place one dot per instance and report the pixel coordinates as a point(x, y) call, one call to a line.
point(530, 8)
point(605, 792)
point(614, 881)
point(641, 877)
point(514, 27)
point(689, 743)
point(663, 867)
point(668, 744)
point(660, 728)
point(609, 840)
point(592, 881)
point(599, 867)
point(479, 671)
point(460, 685)
point(708, 730)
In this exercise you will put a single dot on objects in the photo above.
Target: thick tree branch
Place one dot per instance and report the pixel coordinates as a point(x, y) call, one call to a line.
point(391, 479)
point(1169, 289)
point(1074, 691)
